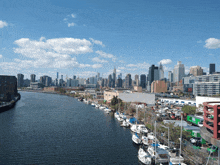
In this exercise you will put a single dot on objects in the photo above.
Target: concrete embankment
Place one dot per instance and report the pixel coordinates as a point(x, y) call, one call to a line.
point(9, 105)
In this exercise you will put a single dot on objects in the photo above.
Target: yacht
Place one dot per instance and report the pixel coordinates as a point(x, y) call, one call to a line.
point(107, 110)
point(144, 157)
point(144, 140)
point(134, 128)
point(136, 139)
point(102, 107)
point(160, 154)
point(125, 124)
point(93, 104)
point(142, 128)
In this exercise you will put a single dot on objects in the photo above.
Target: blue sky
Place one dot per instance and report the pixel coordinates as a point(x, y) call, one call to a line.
point(88, 36)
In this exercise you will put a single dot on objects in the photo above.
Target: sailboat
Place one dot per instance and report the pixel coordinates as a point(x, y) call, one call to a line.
point(125, 123)
point(136, 139)
point(144, 156)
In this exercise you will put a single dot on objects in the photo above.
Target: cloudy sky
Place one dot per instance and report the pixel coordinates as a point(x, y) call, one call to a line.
point(84, 37)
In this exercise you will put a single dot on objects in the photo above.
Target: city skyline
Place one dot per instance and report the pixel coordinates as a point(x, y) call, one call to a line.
point(86, 37)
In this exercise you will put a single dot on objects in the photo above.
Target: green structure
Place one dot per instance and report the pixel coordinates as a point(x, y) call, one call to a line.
point(194, 119)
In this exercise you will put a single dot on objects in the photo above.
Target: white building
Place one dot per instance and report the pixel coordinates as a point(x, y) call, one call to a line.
point(178, 72)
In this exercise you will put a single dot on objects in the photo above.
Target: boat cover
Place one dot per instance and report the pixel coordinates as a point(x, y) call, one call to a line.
point(133, 120)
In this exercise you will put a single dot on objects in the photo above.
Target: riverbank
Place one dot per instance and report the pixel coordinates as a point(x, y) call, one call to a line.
point(10, 104)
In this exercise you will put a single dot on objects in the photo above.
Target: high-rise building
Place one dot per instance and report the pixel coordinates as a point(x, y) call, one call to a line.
point(110, 80)
point(143, 81)
point(136, 79)
point(178, 72)
point(74, 77)
point(20, 78)
point(128, 81)
point(33, 77)
point(196, 70)
point(57, 75)
point(211, 68)
point(114, 78)
point(46, 80)
point(119, 83)
point(161, 72)
point(153, 73)
point(170, 76)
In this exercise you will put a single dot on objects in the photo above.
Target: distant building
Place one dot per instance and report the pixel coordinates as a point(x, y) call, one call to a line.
point(33, 77)
point(161, 72)
point(20, 78)
point(110, 80)
point(153, 73)
point(137, 88)
point(143, 81)
point(211, 68)
point(45, 80)
point(128, 81)
point(114, 78)
point(158, 87)
point(178, 72)
point(26, 83)
point(119, 83)
point(8, 88)
point(136, 78)
point(196, 70)
point(170, 76)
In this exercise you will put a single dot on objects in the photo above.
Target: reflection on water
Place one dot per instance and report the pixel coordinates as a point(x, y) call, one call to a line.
point(55, 129)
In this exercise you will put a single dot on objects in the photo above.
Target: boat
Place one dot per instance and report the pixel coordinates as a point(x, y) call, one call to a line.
point(142, 128)
point(102, 107)
point(144, 140)
point(136, 139)
point(134, 128)
point(125, 124)
point(107, 110)
point(160, 155)
point(116, 114)
point(175, 158)
point(144, 157)
point(93, 104)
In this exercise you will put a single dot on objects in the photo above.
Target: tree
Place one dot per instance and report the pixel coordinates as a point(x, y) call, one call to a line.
point(189, 110)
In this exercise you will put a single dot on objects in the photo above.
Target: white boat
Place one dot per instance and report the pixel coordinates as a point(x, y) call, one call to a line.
point(97, 105)
point(142, 128)
point(151, 136)
point(161, 155)
point(120, 119)
point(102, 107)
point(136, 139)
point(134, 128)
point(174, 158)
point(107, 110)
point(93, 104)
point(144, 140)
point(144, 156)
point(116, 114)
point(125, 124)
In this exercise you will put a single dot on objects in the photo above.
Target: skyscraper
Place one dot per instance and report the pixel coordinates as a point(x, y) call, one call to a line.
point(33, 76)
point(143, 81)
point(136, 79)
point(211, 68)
point(20, 80)
point(57, 75)
point(128, 81)
point(110, 80)
point(196, 70)
point(161, 72)
point(153, 73)
point(170, 76)
point(114, 78)
point(178, 72)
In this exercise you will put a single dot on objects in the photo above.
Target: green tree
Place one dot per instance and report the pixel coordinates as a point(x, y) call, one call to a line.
point(189, 110)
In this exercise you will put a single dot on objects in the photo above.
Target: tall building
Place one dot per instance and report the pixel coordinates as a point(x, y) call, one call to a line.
point(110, 80)
point(128, 81)
point(143, 81)
point(74, 77)
point(57, 75)
point(170, 76)
point(178, 72)
point(33, 77)
point(161, 72)
point(196, 70)
point(119, 83)
point(136, 78)
point(153, 73)
point(114, 78)
point(158, 87)
point(20, 80)
point(211, 68)
point(46, 80)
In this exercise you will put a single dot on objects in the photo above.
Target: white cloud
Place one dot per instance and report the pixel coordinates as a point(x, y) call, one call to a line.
point(97, 42)
point(165, 61)
point(3, 24)
point(143, 65)
point(92, 66)
point(65, 19)
point(121, 68)
point(1, 56)
point(97, 59)
point(212, 43)
point(105, 55)
point(97, 66)
point(73, 16)
point(71, 24)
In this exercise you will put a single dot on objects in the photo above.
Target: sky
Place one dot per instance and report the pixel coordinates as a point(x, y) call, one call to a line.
point(84, 37)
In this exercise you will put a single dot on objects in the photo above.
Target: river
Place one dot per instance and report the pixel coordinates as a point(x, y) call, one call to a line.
point(57, 129)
